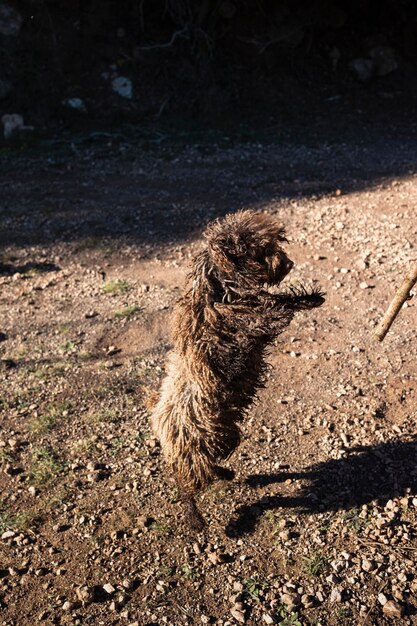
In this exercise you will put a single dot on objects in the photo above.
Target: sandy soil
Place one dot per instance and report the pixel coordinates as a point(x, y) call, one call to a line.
point(319, 526)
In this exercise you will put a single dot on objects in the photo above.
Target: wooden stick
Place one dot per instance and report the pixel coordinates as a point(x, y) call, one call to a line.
point(395, 306)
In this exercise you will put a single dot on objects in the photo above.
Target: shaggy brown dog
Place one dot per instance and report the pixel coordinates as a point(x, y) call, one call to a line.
point(222, 327)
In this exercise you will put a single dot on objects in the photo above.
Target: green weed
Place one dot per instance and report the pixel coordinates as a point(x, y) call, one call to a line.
point(116, 286)
point(255, 587)
point(44, 467)
point(127, 311)
point(315, 564)
point(192, 573)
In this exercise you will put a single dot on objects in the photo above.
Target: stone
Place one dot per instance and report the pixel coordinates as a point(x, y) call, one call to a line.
point(8, 534)
point(393, 609)
point(238, 614)
point(335, 595)
point(122, 86)
point(367, 565)
point(291, 599)
point(76, 104)
point(108, 588)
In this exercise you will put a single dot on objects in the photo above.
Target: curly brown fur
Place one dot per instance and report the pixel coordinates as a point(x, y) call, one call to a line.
point(223, 325)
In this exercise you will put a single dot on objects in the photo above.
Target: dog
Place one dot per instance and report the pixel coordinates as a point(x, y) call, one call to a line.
point(223, 325)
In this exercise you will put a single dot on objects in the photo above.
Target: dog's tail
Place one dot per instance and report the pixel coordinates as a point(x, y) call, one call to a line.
point(192, 515)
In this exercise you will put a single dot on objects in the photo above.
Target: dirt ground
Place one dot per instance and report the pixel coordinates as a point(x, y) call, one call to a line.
point(319, 526)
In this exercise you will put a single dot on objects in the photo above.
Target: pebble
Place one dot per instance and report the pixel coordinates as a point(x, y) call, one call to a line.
point(268, 619)
point(291, 599)
point(335, 595)
point(337, 566)
point(85, 594)
point(108, 588)
point(8, 534)
point(368, 565)
point(393, 609)
point(238, 614)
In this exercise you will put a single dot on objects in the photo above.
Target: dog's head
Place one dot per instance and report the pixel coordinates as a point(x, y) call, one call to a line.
point(245, 248)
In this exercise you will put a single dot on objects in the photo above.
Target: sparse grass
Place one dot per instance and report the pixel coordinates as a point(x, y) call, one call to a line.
point(93, 243)
point(255, 587)
point(314, 564)
point(192, 573)
point(127, 311)
point(352, 519)
point(344, 611)
point(58, 369)
point(287, 618)
point(69, 346)
point(42, 423)
point(116, 445)
point(44, 467)
point(21, 521)
point(86, 356)
point(175, 496)
point(108, 416)
point(32, 271)
point(161, 529)
point(5, 455)
point(116, 286)
point(83, 446)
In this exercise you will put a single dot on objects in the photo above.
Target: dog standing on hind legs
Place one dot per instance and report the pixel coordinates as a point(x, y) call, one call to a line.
point(223, 325)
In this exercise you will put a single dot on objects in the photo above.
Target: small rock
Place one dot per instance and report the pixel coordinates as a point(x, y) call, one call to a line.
point(332, 579)
point(393, 609)
point(335, 595)
point(8, 534)
point(75, 103)
point(85, 594)
point(291, 599)
point(337, 566)
point(127, 584)
point(68, 606)
point(108, 588)
point(238, 614)
point(268, 619)
point(308, 600)
point(122, 86)
point(367, 565)
point(144, 521)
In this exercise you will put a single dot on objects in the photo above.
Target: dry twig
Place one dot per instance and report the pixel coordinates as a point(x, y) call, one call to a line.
point(400, 297)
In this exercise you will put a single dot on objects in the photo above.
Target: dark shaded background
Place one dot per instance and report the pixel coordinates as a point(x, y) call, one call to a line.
point(205, 60)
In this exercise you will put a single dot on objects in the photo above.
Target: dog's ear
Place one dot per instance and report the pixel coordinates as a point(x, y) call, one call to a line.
point(203, 287)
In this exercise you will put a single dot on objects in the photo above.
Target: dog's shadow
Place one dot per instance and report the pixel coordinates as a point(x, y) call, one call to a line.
point(367, 473)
